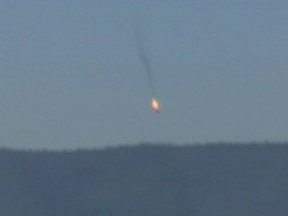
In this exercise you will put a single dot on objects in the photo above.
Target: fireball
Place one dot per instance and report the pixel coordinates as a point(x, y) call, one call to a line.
point(155, 105)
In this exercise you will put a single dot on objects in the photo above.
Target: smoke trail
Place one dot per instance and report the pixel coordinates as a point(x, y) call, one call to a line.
point(142, 54)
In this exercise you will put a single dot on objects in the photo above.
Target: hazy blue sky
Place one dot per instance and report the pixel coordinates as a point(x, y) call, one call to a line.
point(71, 76)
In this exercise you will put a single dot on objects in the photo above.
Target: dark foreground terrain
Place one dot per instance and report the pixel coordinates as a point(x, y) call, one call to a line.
point(147, 180)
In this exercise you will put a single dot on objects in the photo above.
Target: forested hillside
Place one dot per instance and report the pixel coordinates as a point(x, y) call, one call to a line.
point(147, 180)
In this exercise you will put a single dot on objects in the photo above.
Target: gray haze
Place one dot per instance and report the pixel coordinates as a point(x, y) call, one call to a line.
point(71, 75)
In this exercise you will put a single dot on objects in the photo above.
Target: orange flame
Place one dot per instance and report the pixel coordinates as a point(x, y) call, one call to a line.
point(155, 105)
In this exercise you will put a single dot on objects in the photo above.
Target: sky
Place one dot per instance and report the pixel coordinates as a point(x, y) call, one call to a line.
point(71, 75)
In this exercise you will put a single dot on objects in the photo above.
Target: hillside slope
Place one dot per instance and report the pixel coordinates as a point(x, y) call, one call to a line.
point(147, 180)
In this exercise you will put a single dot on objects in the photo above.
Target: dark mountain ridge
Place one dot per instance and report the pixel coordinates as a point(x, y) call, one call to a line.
point(154, 180)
